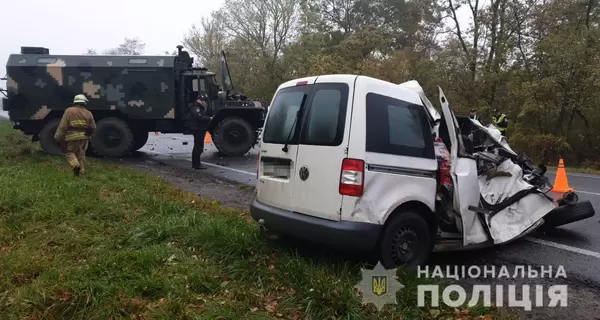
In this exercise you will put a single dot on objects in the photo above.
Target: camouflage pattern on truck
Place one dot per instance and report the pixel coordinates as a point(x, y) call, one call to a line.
point(140, 87)
point(129, 96)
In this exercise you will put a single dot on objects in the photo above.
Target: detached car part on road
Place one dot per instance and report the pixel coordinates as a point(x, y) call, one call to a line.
point(129, 96)
point(370, 165)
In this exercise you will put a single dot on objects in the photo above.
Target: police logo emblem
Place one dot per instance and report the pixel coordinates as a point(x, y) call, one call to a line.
point(379, 286)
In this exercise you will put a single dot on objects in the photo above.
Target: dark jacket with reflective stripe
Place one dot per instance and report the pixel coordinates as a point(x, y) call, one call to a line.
point(77, 123)
point(195, 118)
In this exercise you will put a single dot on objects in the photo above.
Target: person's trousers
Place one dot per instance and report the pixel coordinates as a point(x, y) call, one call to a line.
point(76, 153)
point(198, 147)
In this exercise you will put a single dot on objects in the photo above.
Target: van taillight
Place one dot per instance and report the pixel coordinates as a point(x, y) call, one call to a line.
point(301, 83)
point(352, 177)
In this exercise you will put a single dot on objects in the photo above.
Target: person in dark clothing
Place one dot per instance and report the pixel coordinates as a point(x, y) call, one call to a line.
point(196, 122)
point(473, 115)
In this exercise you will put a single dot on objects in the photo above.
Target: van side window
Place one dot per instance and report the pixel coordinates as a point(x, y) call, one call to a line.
point(326, 115)
point(397, 127)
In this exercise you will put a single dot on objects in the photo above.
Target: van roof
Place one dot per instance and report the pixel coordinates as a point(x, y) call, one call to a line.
point(411, 89)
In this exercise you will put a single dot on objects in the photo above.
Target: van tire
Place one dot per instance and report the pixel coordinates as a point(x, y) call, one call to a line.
point(227, 126)
point(405, 229)
point(116, 130)
point(46, 135)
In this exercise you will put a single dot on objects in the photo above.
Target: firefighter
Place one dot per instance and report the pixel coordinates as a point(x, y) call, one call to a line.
point(197, 122)
point(74, 130)
point(500, 120)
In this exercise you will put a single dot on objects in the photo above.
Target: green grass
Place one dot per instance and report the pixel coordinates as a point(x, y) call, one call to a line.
point(119, 244)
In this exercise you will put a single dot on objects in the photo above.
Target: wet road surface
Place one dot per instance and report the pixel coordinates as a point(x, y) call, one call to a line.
point(575, 246)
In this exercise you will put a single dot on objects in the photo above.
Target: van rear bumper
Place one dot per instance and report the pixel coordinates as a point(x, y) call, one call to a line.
point(352, 235)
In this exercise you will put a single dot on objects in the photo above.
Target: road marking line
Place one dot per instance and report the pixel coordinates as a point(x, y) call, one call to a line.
point(564, 247)
point(583, 175)
point(209, 164)
point(588, 192)
point(232, 169)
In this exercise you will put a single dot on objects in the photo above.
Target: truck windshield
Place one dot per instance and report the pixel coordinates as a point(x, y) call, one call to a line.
point(282, 115)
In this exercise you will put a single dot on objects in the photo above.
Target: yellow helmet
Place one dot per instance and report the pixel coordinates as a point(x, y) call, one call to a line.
point(80, 99)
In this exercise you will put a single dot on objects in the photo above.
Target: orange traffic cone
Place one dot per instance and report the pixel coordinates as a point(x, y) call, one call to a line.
point(207, 138)
point(561, 184)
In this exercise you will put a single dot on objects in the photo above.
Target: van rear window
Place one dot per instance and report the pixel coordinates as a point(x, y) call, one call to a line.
point(322, 119)
point(281, 122)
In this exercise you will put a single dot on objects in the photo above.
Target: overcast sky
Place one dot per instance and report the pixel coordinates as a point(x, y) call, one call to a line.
point(73, 26)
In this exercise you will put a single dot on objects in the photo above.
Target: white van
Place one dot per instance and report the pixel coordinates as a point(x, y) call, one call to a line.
point(350, 161)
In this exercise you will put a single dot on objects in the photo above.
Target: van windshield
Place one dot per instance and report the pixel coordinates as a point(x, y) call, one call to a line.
point(282, 115)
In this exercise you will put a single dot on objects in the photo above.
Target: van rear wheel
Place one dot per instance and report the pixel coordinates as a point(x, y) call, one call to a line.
point(406, 241)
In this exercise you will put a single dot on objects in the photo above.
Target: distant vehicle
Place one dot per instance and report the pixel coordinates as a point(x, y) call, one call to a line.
point(129, 96)
point(370, 165)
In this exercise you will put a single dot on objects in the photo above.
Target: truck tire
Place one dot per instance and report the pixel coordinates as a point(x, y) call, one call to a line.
point(113, 138)
point(46, 135)
point(140, 140)
point(233, 136)
point(568, 213)
point(406, 241)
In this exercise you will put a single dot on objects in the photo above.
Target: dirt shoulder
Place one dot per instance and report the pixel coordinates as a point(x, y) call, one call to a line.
point(197, 182)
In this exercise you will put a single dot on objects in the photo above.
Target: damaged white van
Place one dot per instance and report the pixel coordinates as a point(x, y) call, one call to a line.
point(358, 162)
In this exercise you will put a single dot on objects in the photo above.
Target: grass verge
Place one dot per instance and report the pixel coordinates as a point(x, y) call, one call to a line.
point(119, 244)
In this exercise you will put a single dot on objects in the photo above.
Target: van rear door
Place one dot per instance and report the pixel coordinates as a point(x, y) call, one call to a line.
point(279, 145)
point(322, 147)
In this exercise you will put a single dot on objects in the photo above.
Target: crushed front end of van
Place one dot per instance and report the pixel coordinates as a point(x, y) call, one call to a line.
point(507, 198)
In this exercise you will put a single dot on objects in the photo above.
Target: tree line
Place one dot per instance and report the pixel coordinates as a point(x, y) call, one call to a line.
point(538, 61)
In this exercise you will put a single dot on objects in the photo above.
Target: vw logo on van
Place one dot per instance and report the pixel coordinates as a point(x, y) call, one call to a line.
point(303, 173)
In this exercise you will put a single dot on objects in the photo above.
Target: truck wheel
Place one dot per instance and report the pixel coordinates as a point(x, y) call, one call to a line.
point(140, 140)
point(113, 138)
point(406, 241)
point(233, 137)
point(47, 142)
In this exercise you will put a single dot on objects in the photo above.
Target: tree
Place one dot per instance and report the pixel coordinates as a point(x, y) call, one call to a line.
point(129, 47)
point(537, 60)
point(254, 33)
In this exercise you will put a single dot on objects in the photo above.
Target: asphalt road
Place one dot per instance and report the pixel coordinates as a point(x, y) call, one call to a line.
point(575, 246)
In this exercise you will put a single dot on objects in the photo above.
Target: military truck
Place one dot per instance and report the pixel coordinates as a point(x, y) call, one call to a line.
point(129, 96)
